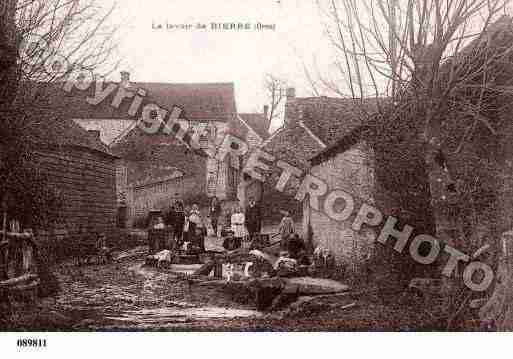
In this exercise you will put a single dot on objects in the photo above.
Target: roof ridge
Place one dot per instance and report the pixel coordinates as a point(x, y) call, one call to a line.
point(181, 83)
point(312, 134)
point(249, 127)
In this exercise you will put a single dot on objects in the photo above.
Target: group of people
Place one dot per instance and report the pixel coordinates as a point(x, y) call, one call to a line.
point(244, 225)
point(189, 226)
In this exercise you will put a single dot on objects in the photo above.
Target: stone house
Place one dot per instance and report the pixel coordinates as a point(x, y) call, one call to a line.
point(311, 124)
point(350, 169)
point(157, 169)
point(209, 113)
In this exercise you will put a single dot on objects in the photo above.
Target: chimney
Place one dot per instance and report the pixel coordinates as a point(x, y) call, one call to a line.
point(291, 92)
point(290, 106)
point(125, 79)
point(266, 111)
point(94, 134)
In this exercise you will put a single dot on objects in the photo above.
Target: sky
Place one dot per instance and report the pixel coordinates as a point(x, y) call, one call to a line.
point(242, 57)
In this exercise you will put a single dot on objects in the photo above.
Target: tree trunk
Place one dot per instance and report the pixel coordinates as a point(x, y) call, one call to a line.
point(8, 53)
point(498, 311)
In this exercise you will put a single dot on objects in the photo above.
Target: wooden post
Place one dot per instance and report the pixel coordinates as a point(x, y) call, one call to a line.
point(4, 249)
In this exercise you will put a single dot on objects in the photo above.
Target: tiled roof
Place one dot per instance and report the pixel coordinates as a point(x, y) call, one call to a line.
point(50, 126)
point(293, 145)
point(65, 132)
point(329, 118)
point(257, 122)
point(199, 101)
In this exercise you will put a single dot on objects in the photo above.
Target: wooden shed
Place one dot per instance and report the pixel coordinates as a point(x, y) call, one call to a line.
point(83, 170)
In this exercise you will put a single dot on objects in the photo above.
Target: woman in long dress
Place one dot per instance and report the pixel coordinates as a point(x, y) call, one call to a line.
point(238, 225)
point(195, 219)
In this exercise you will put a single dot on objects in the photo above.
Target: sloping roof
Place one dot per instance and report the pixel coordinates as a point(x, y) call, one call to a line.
point(329, 118)
point(199, 101)
point(342, 145)
point(65, 132)
point(498, 34)
point(294, 145)
point(141, 175)
point(257, 122)
point(110, 130)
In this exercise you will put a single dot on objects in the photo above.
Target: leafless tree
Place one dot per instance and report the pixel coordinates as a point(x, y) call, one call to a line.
point(275, 89)
point(440, 76)
point(42, 42)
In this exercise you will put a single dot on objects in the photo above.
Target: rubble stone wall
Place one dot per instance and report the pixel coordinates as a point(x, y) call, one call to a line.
point(351, 172)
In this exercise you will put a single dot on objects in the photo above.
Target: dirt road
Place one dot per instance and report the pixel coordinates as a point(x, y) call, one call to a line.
point(126, 295)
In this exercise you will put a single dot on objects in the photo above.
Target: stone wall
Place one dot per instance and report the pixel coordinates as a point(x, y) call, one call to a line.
point(352, 172)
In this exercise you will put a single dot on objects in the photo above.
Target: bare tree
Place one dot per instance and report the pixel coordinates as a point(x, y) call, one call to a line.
point(439, 74)
point(275, 90)
point(41, 42)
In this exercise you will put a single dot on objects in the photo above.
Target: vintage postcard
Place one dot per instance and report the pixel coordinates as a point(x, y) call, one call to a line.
point(255, 166)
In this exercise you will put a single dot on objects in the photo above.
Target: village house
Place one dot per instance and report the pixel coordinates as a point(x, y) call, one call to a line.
point(154, 170)
point(350, 169)
point(253, 128)
point(311, 124)
point(181, 173)
point(334, 139)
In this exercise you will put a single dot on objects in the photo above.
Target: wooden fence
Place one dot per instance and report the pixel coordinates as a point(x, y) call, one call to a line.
point(18, 266)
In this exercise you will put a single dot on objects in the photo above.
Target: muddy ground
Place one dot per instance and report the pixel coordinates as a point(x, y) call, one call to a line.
point(127, 295)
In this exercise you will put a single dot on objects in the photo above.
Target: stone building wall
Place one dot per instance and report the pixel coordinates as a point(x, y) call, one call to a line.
point(352, 172)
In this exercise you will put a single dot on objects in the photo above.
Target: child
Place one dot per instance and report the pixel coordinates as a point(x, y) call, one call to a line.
point(238, 228)
point(195, 220)
point(159, 223)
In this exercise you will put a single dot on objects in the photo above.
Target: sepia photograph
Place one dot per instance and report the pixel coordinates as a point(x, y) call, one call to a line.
point(255, 166)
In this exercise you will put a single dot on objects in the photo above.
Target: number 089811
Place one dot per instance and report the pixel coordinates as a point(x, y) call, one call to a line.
point(31, 343)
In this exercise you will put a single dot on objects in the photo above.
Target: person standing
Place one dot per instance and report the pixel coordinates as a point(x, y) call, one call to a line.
point(253, 219)
point(171, 216)
point(238, 225)
point(286, 228)
point(214, 213)
point(195, 220)
point(179, 222)
point(187, 224)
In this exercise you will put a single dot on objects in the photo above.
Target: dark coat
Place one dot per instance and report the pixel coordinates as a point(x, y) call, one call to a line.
point(179, 219)
point(253, 218)
point(215, 210)
point(170, 217)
